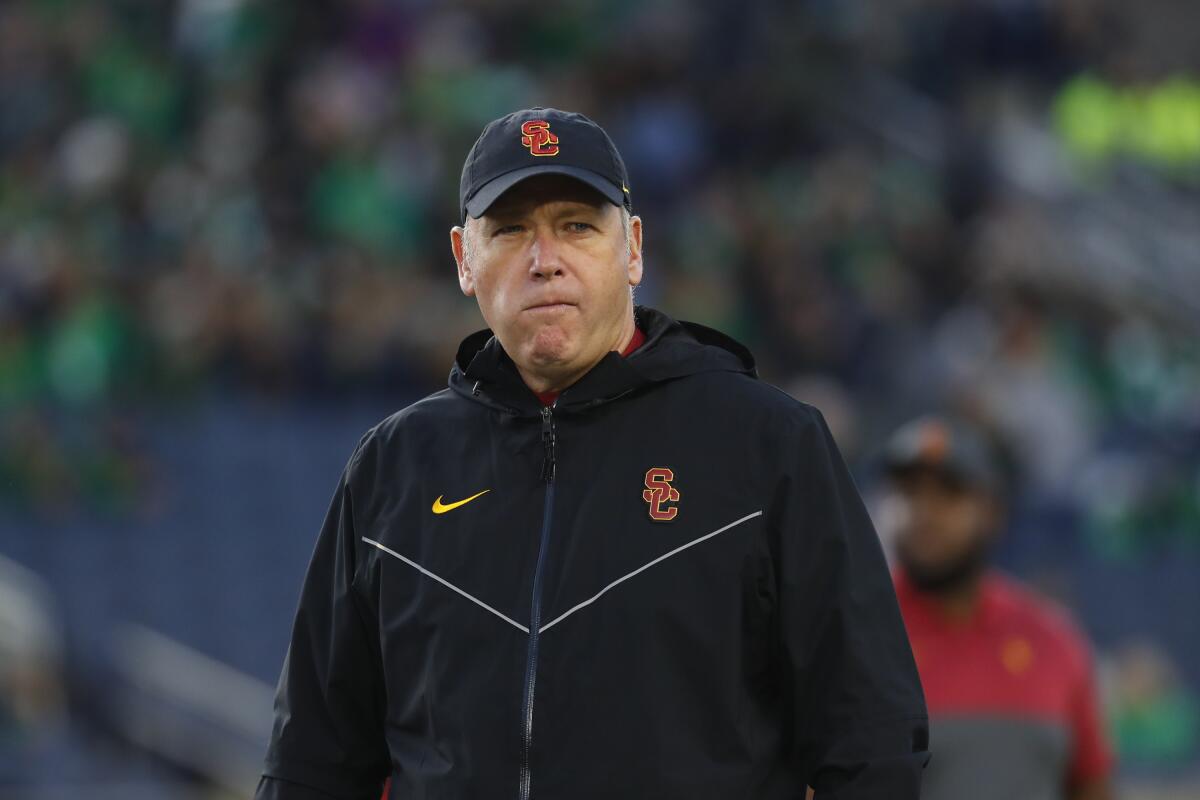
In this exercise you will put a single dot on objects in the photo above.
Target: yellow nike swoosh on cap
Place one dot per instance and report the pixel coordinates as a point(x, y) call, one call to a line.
point(442, 508)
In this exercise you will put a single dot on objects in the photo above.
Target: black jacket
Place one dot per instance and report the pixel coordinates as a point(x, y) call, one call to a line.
point(550, 639)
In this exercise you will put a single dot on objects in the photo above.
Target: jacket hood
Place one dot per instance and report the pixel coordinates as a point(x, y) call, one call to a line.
point(484, 373)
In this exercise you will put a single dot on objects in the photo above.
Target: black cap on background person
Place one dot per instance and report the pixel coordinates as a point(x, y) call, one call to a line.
point(949, 446)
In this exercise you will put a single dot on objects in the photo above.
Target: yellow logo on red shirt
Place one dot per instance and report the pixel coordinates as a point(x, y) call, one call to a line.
point(1017, 655)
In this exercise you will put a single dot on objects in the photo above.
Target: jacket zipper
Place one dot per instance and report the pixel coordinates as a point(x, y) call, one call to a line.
point(548, 456)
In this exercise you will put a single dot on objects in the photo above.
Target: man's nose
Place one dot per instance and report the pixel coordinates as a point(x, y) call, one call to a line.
point(544, 256)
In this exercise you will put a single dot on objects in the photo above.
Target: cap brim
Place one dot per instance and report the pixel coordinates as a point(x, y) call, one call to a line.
point(956, 469)
point(490, 191)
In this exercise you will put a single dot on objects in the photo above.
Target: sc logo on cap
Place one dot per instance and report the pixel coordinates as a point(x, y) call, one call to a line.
point(536, 135)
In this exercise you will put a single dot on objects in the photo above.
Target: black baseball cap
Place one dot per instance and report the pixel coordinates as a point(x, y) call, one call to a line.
point(536, 141)
point(947, 446)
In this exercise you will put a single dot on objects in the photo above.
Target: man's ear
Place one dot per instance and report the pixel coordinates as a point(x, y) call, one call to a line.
point(635, 251)
point(466, 280)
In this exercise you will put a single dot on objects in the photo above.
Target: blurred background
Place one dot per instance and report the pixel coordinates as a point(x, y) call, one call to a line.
point(224, 254)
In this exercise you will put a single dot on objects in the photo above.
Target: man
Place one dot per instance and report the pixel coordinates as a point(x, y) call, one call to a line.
point(1007, 676)
point(606, 561)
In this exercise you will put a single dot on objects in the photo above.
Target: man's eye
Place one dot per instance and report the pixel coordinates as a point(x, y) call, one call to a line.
point(506, 229)
point(579, 227)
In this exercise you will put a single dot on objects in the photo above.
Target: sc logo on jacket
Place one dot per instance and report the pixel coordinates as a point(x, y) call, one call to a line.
point(659, 492)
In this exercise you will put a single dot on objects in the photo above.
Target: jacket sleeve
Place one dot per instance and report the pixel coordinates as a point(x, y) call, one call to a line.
point(327, 740)
point(860, 725)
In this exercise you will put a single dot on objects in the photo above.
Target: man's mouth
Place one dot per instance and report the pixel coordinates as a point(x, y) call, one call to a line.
point(551, 305)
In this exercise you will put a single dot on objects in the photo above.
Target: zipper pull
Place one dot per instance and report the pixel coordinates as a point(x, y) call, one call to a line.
point(547, 445)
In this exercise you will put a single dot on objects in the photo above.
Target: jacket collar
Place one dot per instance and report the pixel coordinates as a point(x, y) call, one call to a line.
point(484, 373)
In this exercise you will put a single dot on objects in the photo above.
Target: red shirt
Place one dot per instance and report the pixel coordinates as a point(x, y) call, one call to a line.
point(1013, 682)
point(638, 337)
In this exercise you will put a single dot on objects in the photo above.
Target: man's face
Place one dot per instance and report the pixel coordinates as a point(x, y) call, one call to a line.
point(944, 527)
point(551, 270)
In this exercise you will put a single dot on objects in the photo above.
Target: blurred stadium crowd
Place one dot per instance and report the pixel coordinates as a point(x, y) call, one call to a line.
point(984, 206)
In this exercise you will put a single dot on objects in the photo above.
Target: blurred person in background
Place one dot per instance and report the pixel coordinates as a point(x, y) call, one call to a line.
point(1014, 712)
point(1155, 716)
point(33, 710)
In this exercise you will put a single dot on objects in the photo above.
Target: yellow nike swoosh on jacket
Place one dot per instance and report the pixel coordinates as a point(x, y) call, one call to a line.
point(442, 508)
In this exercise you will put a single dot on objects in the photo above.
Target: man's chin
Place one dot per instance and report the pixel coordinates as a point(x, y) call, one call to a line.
point(548, 358)
point(947, 576)
point(549, 346)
